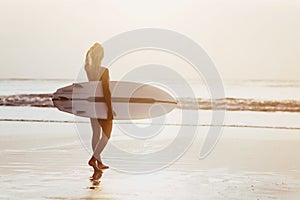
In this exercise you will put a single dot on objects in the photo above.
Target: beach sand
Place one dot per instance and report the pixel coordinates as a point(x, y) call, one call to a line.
point(47, 161)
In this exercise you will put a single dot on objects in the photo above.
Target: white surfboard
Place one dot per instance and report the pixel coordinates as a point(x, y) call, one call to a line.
point(129, 100)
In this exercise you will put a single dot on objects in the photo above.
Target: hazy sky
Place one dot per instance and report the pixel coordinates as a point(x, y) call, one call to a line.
point(247, 39)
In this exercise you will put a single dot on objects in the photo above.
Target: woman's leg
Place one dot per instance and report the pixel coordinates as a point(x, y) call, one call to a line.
point(95, 140)
point(106, 126)
point(96, 132)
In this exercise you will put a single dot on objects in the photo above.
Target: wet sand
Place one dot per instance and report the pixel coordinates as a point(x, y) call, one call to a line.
point(48, 161)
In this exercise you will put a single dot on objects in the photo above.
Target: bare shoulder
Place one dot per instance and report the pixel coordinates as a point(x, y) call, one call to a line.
point(105, 69)
point(104, 74)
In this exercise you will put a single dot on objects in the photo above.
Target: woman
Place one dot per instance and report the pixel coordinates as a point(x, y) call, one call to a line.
point(96, 72)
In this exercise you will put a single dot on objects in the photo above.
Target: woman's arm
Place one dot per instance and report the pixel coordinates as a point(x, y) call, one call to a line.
point(106, 93)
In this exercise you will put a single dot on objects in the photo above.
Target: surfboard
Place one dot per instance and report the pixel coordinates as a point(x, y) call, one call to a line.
point(130, 100)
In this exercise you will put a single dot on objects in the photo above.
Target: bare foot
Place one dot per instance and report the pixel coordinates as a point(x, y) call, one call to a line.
point(101, 165)
point(93, 164)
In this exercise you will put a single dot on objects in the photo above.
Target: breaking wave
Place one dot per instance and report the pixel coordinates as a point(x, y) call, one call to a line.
point(230, 104)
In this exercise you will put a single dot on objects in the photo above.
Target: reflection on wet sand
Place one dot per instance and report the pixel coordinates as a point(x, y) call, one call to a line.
point(95, 178)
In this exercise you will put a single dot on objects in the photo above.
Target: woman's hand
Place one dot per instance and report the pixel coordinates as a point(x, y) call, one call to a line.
point(111, 114)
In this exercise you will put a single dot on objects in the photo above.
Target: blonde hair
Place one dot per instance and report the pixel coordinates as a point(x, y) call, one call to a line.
point(93, 60)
